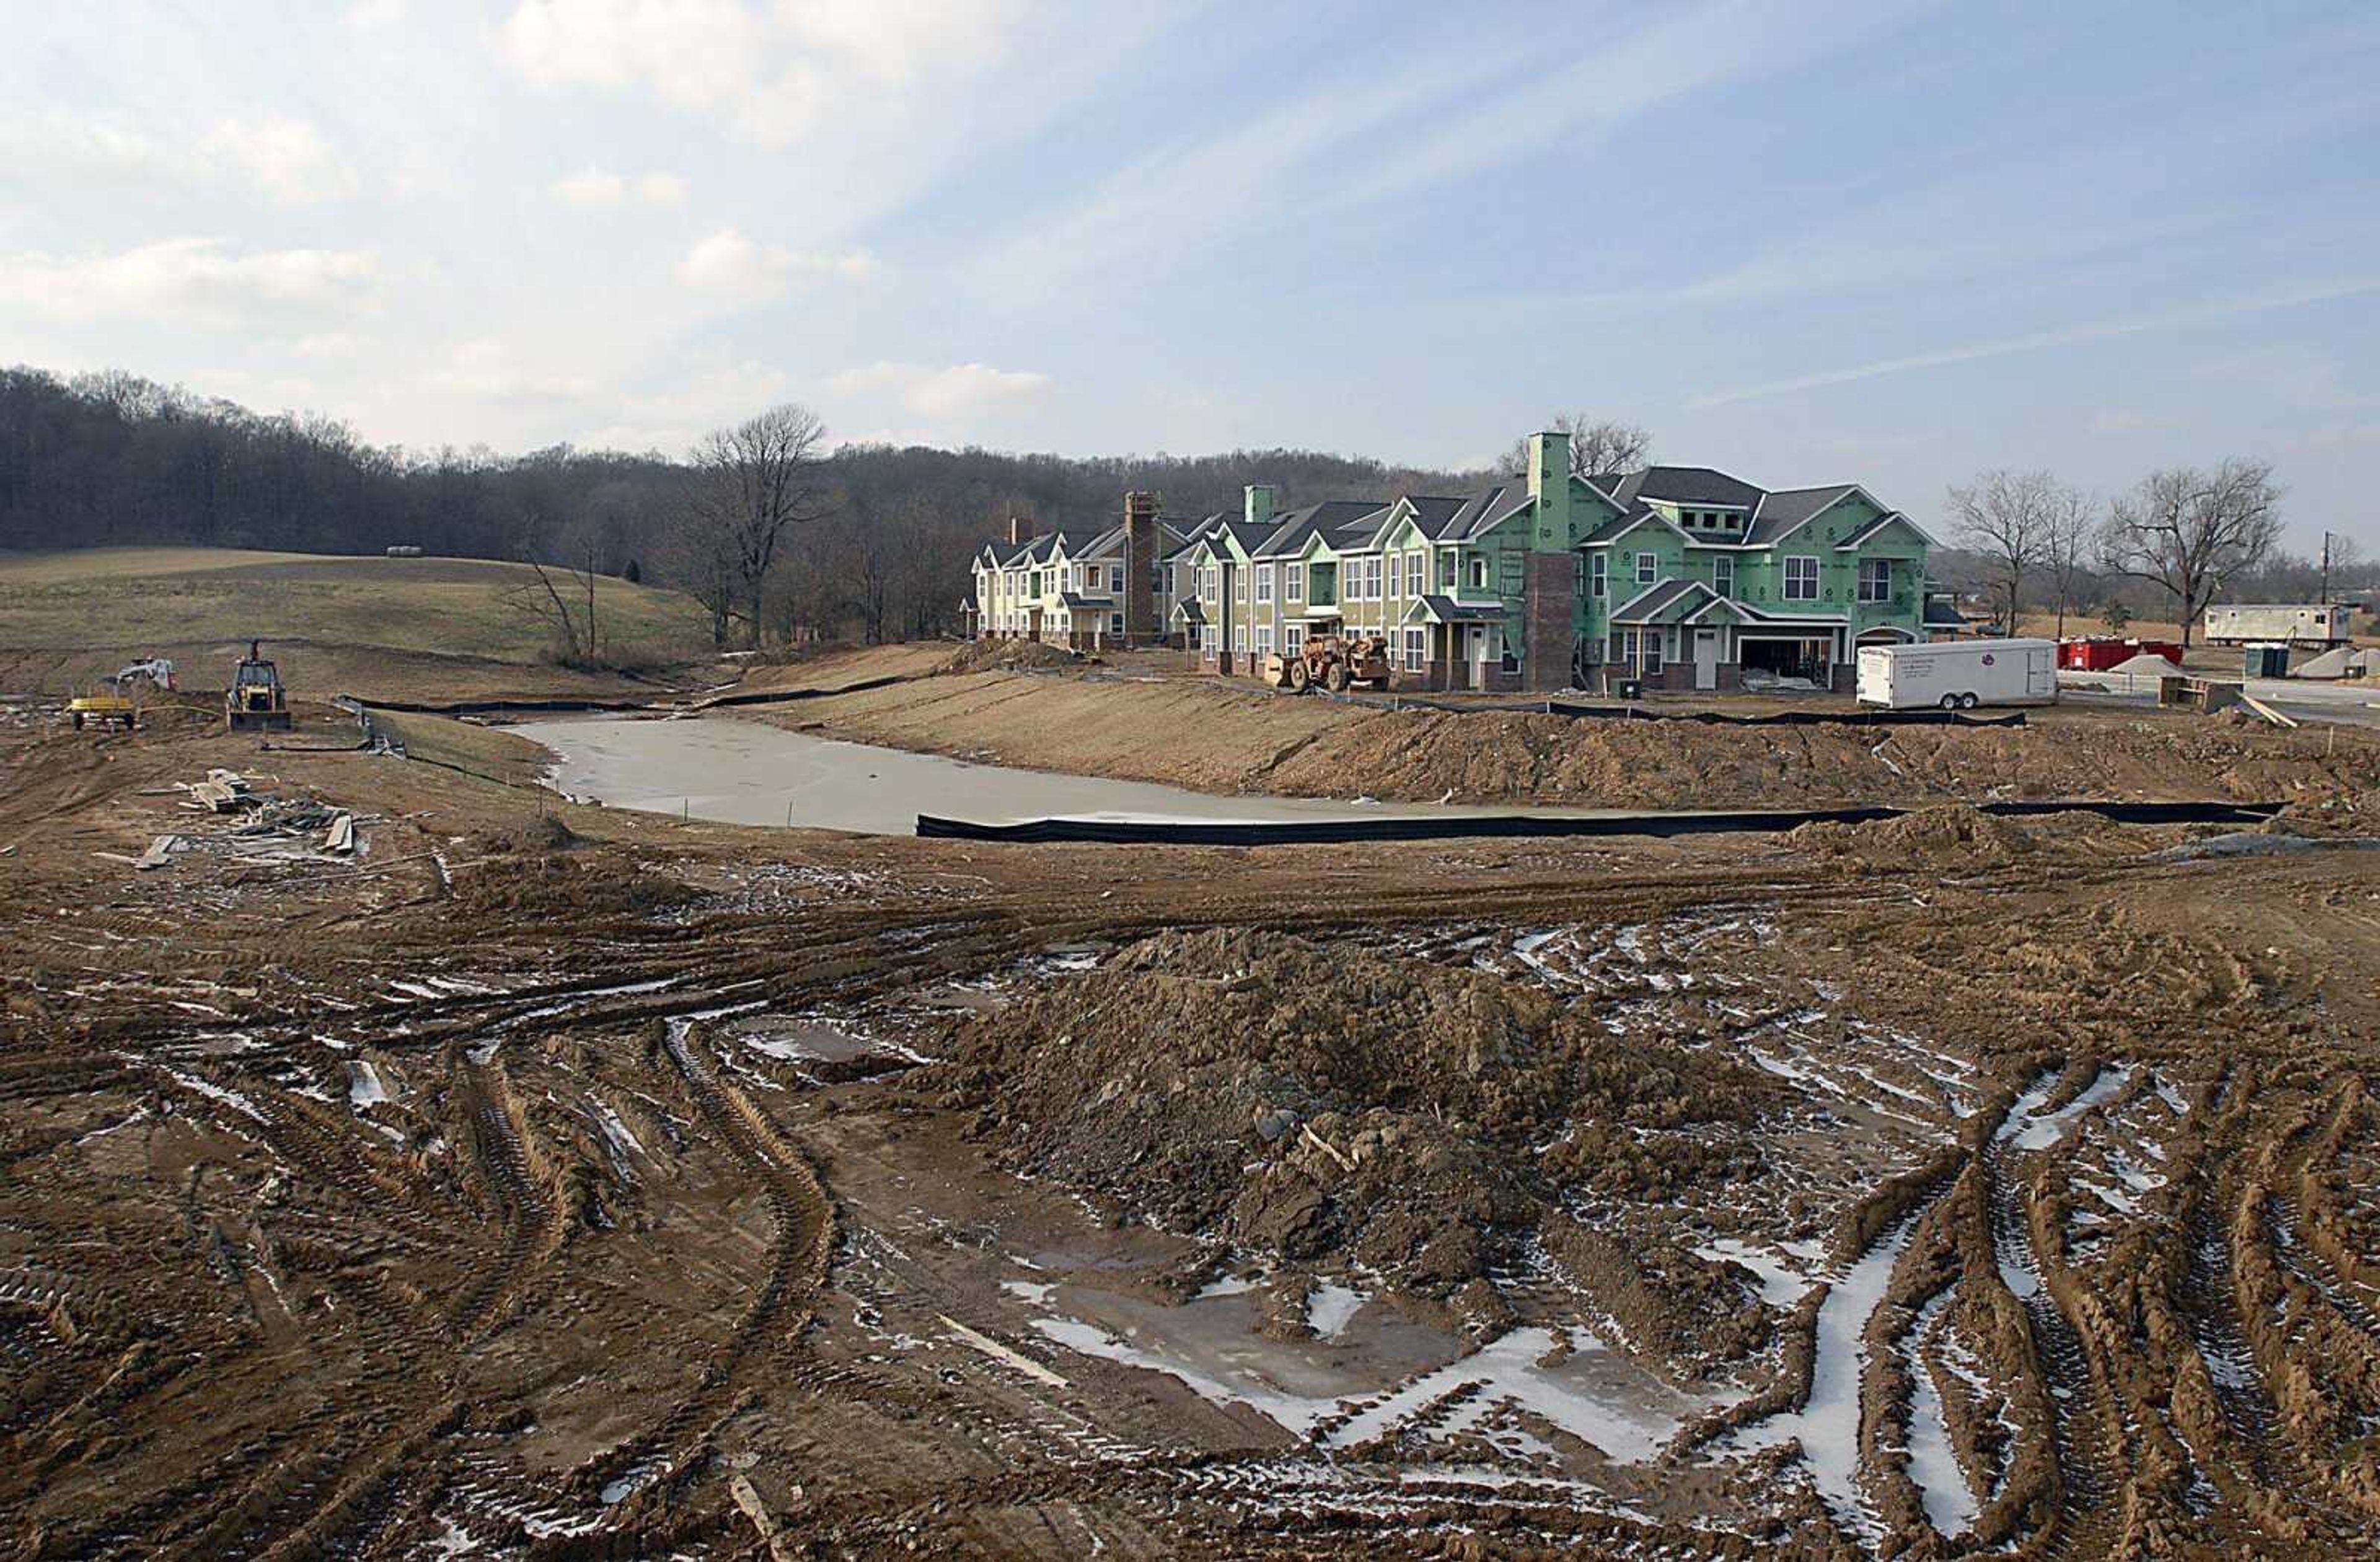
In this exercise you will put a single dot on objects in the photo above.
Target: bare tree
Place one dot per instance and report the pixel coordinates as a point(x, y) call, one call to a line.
point(1597, 445)
point(754, 483)
point(2066, 544)
point(2189, 531)
point(2005, 517)
point(540, 597)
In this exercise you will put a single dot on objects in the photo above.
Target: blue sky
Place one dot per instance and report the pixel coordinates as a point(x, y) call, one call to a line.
point(1889, 242)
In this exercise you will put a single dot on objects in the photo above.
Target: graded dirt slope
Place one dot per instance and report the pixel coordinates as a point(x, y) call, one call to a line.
point(1230, 736)
point(364, 624)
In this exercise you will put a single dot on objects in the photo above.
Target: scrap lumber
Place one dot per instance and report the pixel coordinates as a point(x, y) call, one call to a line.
point(341, 837)
point(2267, 711)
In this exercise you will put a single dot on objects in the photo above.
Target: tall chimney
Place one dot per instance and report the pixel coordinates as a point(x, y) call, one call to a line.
point(1141, 546)
point(1259, 504)
point(1549, 585)
point(1017, 524)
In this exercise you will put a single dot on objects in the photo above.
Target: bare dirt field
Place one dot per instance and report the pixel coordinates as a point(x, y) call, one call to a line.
point(545, 1181)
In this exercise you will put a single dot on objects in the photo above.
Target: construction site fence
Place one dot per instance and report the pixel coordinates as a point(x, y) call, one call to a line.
point(1331, 831)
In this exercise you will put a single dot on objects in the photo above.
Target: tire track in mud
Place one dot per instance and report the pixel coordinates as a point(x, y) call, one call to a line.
point(799, 1257)
point(2082, 1426)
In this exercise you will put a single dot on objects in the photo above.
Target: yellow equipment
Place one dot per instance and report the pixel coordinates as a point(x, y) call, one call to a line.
point(117, 705)
point(255, 701)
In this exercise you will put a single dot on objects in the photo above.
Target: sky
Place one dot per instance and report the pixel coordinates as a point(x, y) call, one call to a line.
point(1869, 241)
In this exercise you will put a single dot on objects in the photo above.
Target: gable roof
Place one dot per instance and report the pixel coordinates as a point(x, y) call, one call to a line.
point(1679, 485)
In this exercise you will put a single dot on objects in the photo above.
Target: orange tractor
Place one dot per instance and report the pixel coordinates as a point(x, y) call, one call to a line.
point(1333, 661)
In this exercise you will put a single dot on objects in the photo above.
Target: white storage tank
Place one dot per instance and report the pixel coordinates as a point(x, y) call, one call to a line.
point(1959, 675)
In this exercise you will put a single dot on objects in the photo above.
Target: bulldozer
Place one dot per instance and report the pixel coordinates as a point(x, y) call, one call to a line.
point(256, 702)
point(1336, 662)
point(120, 705)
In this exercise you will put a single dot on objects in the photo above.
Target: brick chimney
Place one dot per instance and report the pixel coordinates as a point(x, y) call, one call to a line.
point(1142, 544)
point(1016, 534)
point(1549, 610)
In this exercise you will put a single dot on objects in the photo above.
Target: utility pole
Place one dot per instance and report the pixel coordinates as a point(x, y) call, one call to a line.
point(2326, 569)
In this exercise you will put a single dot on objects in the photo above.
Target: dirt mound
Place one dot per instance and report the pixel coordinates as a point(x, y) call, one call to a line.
point(533, 870)
point(1325, 1105)
point(1957, 837)
point(1006, 655)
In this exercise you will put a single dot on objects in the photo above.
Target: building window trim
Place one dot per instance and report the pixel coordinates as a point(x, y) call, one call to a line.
point(1800, 578)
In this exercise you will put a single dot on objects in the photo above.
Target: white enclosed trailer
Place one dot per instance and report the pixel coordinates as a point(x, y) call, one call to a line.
point(1959, 675)
point(2287, 623)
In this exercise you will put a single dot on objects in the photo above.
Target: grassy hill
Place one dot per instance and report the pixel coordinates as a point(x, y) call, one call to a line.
point(370, 625)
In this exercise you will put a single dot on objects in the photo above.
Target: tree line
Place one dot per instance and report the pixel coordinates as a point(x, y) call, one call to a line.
point(782, 538)
point(2178, 539)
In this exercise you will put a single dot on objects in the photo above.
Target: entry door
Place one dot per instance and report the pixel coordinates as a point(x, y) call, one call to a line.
point(1476, 652)
point(1705, 658)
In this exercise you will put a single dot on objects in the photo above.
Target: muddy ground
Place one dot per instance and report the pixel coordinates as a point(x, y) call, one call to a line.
point(1141, 718)
point(564, 1182)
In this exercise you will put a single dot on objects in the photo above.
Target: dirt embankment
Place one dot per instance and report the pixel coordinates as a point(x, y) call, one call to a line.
point(1226, 737)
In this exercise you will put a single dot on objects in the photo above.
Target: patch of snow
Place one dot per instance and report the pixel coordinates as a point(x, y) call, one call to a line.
point(1329, 1309)
point(365, 1087)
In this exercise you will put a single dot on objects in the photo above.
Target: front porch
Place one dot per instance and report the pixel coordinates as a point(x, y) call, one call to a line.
point(1447, 645)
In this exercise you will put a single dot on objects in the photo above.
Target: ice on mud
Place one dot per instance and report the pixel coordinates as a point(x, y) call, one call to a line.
point(365, 1087)
point(1329, 1309)
point(1827, 1426)
point(2029, 1127)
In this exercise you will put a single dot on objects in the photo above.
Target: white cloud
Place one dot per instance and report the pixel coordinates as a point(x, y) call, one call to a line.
point(289, 159)
point(732, 266)
point(368, 14)
point(182, 281)
point(771, 72)
point(962, 390)
point(488, 370)
point(327, 344)
point(594, 189)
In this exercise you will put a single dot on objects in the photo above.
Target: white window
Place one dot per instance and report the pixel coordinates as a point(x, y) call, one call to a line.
point(1648, 568)
point(1115, 577)
point(1876, 579)
point(1372, 579)
point(1293, 638)
point(1207, 583)
point(1239, 637)
point(1652, 650)
point(1263, 639)
point(1417, 649)
point(1115, 623)
point(1599, 576)
point(1207, 638)
point(1264, 583)
point(1416, 574)
point(1479, 572)
point(1293, 582)
point(1800, 578)
point(1723, 575)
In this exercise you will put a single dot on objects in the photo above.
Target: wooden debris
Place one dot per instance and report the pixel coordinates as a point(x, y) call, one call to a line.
point(2267, 711)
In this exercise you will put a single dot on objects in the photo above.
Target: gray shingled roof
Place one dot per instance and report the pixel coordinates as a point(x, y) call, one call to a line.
point(1681, 486)
point(1788, 508)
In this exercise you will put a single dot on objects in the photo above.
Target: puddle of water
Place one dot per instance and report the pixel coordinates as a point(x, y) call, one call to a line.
point(738, 772)
point(808, 1041)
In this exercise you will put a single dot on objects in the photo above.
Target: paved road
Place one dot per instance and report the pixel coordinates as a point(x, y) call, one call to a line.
point(2348, 704)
